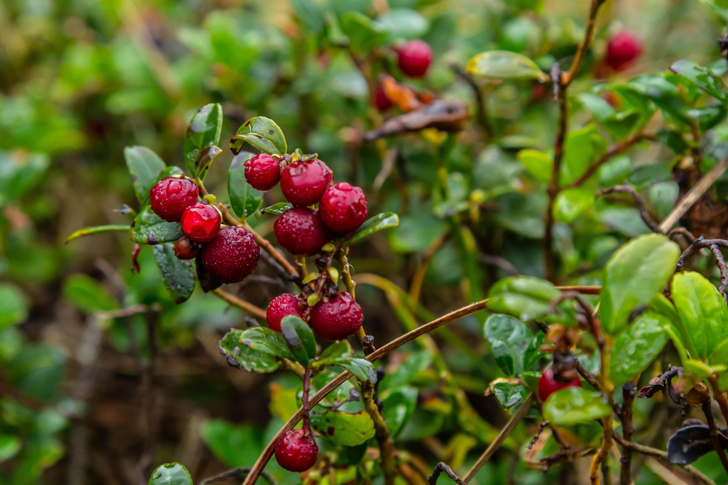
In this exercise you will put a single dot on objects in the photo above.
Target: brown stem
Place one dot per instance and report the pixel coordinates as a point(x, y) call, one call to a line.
point(720, 262)
point(719, 396)
point(443, 467)
point(628, 392)
point(419, 276)
point(641, 207)
point(585, 43)
point(708, 411)
point(242, 304)
point(384, 437)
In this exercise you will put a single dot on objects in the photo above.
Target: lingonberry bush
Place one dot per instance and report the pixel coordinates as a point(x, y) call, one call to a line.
point(554, 189)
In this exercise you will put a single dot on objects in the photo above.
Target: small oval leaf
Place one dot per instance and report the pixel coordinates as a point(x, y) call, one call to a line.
point(144, 166)
point(178, 274)
point(244, 199)
point(204, 130)
point(505, 65)
point(241, 356)
point(263, 134)
point(382, 221)
point(637, 346)
point(149, 228)
point(300, 339)
point(574, 405)
point(277, 209)
point(170, 474)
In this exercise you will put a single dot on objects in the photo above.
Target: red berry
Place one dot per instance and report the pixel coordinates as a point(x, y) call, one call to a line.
point(337, 318)
point(296, 450)
point(231, 256)
point(343, 208)
point(303, 183)
point(381, 101)
point(185, 249)
point(301, 231)
point(201, 222)
point(414, 58)
point(171, 196)
point(548, 384)
point(262, 172)
point(622, 50)
point(282, 306)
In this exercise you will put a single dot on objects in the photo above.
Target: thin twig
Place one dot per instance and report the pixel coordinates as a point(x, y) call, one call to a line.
point(720, 262)
point(641, 207)
point(585, 43)
point(443, 467)
point(719, 396)
point(242, 304)
point(499, 262)
point(481, 110)
point(498, 441)
point(714, 438)
point(628, 393)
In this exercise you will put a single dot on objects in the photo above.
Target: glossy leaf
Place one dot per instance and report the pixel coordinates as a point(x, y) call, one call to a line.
point(261, 133)
point(266, 340)
point(90, 231)
point(527, 298)
point(244, 199)
point(364, 33)
point(508, 393)
point(537, 163)
point(582, 148)
point(178, 274)
point(633, 276)
point(691, 442)
point(204, 160)
point(398, 408)
point(277, 209)
point(300, 339)
point(636, 346)
point(505, 65)
point(149, 228)
point(571, 203)
point(361, 368)
point(574, 405)
point(203, 131)
point(334, 352)
point(170, 474)
point(87, 294)
point(403, 23)
point(382, 221)
point(509, 338)
point(13, 305)
point(700, 77)
point(144, 166)
point(702, 310)
point(241, 356)
point(344, 429)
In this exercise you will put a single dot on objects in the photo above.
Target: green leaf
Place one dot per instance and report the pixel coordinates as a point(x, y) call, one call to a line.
point(241, 356)
point(407, 370)
point(277, 209)
point(344, 429)
point(574, 405)
point(170, 474)
point(233, 445)
point(719, 7)
point(382, 221)
point(90, 231)
point(582, 148)
point(333, 353)
point(9, 446)
point(571, 203)
point(361, 368)
point(19, 172)
point(300, 339)
point(144, 166)
point(204, 160)
point(403, 23)
point(244, 199)
point(509, 338)
point(508, 393)
point(537, 163)
point(204, 130)
point(416, 232)
point(505, 65)
point(13, 305)
point(700, 77)
point(266, 340)
point(637, 346)
point(527, 298)
point(178, 274)
point(149, 228)
point(398, 408)
point(702, 310)
point(530, 379)
point(263, 134)
point(87, 294)
point(634, 274)
point(364, 33)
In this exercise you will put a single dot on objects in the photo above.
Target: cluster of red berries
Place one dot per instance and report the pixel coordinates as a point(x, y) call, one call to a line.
point(303, 231)
point(413, 58)
point(227, 253)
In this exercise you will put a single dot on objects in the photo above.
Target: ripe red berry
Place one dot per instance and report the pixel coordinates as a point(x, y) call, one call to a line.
point(171, 196)
point(231, 256)
point(622, 50)
point(414, 58)
point(381, 101)
point(262, 172)
point(303, 183)
point(301, 231)
point(185, 249)
point(343, 208)
point(282, 306)
point(548, 384)
point(337, 318)
point(296, 450)
point(201, 222)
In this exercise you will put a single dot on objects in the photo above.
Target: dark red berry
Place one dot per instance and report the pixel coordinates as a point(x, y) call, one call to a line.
point(171, 196)
point(622, 50)
point(301, 231)
point(201, 222)
point(262, 172)
point(303, 183)
point(231, 256)
point(282, 306)
point(337, 318)
point(381, 101)
point(548, 384)
point(343, 208)
point(414, 58)
point(296, 450)
point(185, 249)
